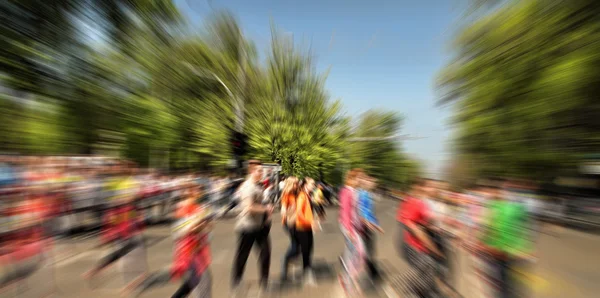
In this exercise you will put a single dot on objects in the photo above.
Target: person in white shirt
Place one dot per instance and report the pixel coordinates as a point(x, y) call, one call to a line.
point(253, 227)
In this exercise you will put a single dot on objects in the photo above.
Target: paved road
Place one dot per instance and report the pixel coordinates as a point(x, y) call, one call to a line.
point(568, 265)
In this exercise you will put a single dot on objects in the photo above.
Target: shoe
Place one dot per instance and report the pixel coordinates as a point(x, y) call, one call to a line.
point(235, 291)
point(262, 290)
point(309, 279)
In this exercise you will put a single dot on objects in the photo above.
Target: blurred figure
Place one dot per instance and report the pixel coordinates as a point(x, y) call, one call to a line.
point(420, 250)
point(253, 227)
point(270, 192)
point(22, 243)
point(288, 219)
point(370, 225)
point(504, 240)
point(282, 185)
point(318, 204)
point(304, 228)
point(123, 223)
point(192, 252)
point(353, 256)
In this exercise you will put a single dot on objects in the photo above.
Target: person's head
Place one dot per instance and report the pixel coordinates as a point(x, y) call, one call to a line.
point(291, 186)
point(352, 178)
point(365, 181)
point(417, 187)
point(193, 192)
point(255, 170)
point(432, 189)
point(308, 184)
point(371, 183)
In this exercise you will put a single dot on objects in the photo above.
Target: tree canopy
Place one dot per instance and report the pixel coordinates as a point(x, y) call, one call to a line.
point(142, 86)
point(524, 88)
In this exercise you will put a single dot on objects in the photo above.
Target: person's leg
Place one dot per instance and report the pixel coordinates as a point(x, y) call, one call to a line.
point(264, 245)
point(305, 239)
point(245, 242)
point(506, 287)
point(292, 252)
point(153, 280)
point(114, 256)
point(369, 241)
point(183, 291)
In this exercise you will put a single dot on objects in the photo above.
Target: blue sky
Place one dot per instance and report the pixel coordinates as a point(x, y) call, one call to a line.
point(383, 54)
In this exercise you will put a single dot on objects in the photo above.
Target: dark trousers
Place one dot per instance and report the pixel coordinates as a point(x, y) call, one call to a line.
point(20, 270)
point(292, 252)
point(246, 241)
point(506, 286)
point(126, 248)
point(190, 281)
point(302, 242)
point(368, 238)
point(443, 264)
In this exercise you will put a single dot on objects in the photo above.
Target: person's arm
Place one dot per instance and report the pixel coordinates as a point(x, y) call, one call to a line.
point(418, 232)
point(303, 212)
point(248, 204)
point(343, 205)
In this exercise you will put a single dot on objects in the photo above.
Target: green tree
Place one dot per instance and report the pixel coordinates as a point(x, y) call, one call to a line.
point(381, 158)
point(524, 87)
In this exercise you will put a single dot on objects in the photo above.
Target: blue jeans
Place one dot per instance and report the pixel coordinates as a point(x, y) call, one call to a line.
point(292, 252)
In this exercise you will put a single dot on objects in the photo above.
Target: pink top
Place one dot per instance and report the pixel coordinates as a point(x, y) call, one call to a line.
point(347, 206)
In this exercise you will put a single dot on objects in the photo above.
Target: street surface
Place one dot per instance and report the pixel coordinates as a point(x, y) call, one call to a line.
point(567, 267)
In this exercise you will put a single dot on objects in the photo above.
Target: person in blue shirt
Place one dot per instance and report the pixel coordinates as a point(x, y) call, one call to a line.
point(8, 175)
point(370, 224)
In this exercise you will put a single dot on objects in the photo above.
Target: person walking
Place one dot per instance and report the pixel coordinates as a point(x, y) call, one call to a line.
point(505, 239)
point(370, 225)
point(253, 227)
point(192, 252)
point(353, 256)
point(288, 219)
point(420, 250)
point(304, 228)
point(319, 204)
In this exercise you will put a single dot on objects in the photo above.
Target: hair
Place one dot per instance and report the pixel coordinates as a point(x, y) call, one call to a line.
point(291, 186)
point(304, 182)
point(253, 164)
point(352, 176)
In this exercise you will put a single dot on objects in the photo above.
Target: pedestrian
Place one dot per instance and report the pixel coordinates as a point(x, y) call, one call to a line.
point(319, 203)
point(288, 219)
point(419, 249)
point(252, 227)
point(24, 247)
point(370, 225)
point(505, 240)
point(192, 252)
point(123, 224)
point(352, 258)
point(303, 230)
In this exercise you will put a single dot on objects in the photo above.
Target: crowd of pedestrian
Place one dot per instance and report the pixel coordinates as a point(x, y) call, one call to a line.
point(489, 227)
point(41, 195)
point(45, 198)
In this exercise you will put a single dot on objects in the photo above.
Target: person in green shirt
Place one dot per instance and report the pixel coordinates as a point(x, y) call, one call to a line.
point(505, 238)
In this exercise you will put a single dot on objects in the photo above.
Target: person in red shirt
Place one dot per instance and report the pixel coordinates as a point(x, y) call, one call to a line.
point(23, 245)
point(123, 226)
point(192, 252)
point(418, 248)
